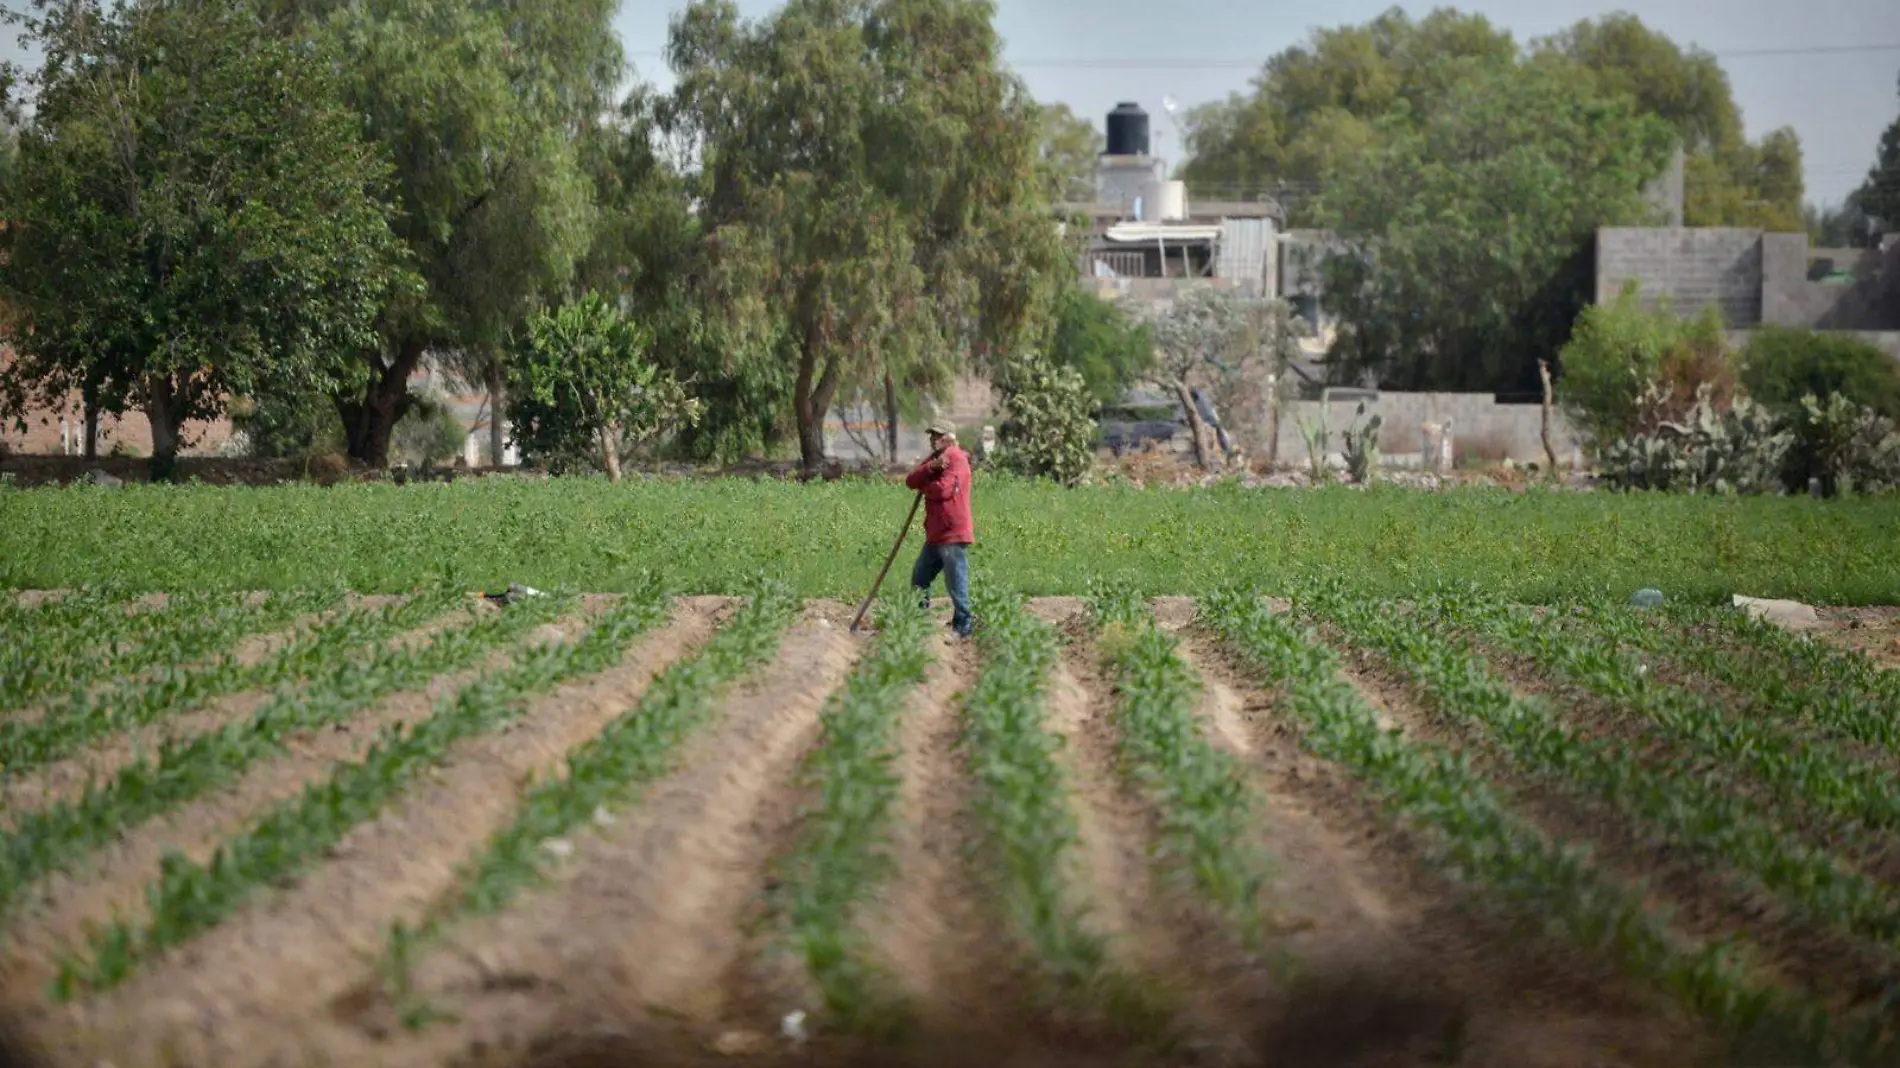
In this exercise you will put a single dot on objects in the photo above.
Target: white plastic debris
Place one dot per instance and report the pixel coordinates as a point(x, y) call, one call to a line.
point(602, 817)
point(793, 1025)
point(559, 847)
point(1790, 615)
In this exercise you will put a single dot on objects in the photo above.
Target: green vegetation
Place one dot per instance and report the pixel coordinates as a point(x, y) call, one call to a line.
point(189, 898)
point(70, 725)
point(1608, 652)
point(826, 539)
point(606, 771)
point(1021, 798)
point(93, 636)
point(1706, 815)
point(1205, 808)
point(183, 769)
point(1468, 829)
point(843, 855)
point(1780, 364)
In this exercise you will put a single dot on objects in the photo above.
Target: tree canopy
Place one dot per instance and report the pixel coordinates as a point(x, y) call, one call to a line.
point(1879, 195)
point(808, 129)
point(1313, 108)
point(194, 214)
point(1481, 266)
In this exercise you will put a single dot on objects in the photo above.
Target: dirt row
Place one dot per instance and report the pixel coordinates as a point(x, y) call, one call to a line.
point(641, 950)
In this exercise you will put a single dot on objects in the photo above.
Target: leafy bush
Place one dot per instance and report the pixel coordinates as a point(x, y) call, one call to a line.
point(1046, 428)
point(1737, 449)
point(1849, 447)
point(1099, 340)
point(1628, 370)
point(294, 425)
point(1781, 365)
point(429, 433)
point(584, 387)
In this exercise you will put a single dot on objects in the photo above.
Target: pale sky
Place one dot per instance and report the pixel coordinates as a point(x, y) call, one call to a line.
point(1200, 50)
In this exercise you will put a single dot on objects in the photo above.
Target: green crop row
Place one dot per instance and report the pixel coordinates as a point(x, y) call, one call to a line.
point(69, 726)
point(56, 838)
point(843, 852)
point(605, 771)
point(1203, 802)
point(189, 898)
point(820, 538)
point(114, 641)
point(1692, 813)
point(1021, 803)
point(1474, 838)
point(1801, 773)
point(1780, 674)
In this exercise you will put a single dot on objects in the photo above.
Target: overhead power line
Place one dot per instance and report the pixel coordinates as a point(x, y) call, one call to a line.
point(1218, 63)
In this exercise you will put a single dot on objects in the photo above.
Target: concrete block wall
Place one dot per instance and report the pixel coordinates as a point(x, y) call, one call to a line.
point(1693, 267)
point(1481, 428)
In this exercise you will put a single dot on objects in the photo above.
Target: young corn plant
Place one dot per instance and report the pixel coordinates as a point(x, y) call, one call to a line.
point(56, 838)
point(1021, 798)
point(117, 641)
point(607, 771)
point(189, 898)
point(843, 852)
point(1690, 813)
point(1203, 802)
point(69, 726)
point(1476, 840)
point(1800, 773)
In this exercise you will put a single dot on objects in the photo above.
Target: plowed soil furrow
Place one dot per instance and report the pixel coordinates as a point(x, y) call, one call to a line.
point(266, 981)
point(1708, 898)
point(644, 925)
point(1156, 929)
point(66, 780)
point(925, 925)
point(248, 652)
point(1394, 965)
point(114, 881)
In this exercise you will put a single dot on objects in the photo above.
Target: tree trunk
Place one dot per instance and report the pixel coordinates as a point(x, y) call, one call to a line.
point(91, 396)
point(1550, 453)
point(497, 405)
point(1205, 457)
point(610, 453)
point(890, 419)
point(370, 422)
point(162, 411)
point(810, 403)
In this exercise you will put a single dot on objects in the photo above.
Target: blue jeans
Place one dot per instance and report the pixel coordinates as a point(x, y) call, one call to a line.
point(955, 567)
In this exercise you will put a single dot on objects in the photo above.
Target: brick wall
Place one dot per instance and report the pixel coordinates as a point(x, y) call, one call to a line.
point(133, 432)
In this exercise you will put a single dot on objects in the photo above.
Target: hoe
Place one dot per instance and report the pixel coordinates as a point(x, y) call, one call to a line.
point(862, 608)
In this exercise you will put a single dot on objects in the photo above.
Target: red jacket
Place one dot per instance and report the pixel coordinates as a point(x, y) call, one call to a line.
point(946, 499)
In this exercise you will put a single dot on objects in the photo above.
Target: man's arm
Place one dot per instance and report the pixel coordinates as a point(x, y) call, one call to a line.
point(922, 477)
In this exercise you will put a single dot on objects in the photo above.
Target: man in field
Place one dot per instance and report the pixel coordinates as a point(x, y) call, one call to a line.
point(944, 480)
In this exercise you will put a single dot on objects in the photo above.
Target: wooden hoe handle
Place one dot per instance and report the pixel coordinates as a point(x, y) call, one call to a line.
point(898, 544)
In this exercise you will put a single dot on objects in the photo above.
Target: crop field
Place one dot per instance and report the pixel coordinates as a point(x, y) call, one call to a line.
point(648, 827)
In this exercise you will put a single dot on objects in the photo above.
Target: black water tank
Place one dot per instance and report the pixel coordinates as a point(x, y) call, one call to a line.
point(1127, 130)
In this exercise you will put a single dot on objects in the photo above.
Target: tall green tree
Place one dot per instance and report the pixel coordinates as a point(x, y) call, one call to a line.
point(1481, 265)
point(1727, 181)
point(1070, 147)
point(480, 106)
point(649, 250)
point(1102, 342)
point(1312, 107)
point(873, 169)
point(195, 214)
point(1879, 195)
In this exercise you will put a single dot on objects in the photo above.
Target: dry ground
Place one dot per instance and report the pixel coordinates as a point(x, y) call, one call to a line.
point(640, 952)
